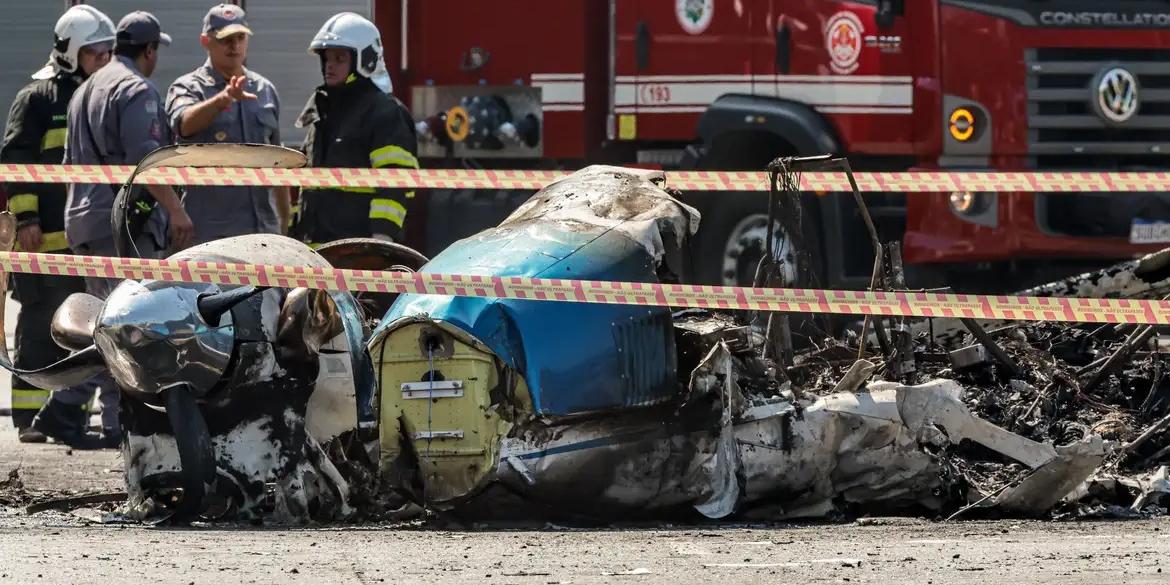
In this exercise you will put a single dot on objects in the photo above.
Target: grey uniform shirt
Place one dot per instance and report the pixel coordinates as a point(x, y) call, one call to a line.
point(115, 118)
point(220, 212)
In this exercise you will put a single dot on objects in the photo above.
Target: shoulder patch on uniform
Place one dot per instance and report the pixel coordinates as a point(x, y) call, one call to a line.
point(151, 106)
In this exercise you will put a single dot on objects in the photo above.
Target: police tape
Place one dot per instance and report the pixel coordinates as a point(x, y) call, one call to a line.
point(907, 304)
point(896, 182)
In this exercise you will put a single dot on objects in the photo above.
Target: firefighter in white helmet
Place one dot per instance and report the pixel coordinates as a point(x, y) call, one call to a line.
point(83, 43)
point(354, 121)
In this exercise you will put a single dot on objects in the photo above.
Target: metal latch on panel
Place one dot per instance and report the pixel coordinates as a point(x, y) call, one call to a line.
point(436, 389)
point(424, 435)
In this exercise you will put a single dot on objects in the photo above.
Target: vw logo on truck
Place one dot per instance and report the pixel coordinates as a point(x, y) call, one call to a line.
point(1116, 95)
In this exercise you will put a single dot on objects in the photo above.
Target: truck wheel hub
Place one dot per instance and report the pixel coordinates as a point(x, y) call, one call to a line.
point(746, 245)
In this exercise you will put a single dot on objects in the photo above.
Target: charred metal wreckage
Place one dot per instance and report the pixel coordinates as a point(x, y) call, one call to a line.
point(295, 404)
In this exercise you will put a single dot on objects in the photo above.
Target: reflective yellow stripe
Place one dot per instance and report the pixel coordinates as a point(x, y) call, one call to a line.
point(29, 399)
point(50, 242)
point(24, 203)
point(314, 245)
point(355, 189)
point(53, 139)
point(410, 194)
point(388, 209)
point(393, 155)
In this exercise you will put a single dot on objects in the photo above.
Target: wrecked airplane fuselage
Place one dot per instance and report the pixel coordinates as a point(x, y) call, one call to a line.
point(459, 375)
point(272, 402)
point(513, 408)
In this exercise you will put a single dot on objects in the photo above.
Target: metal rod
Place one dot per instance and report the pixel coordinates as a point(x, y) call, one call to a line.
point(1146, 436)
point(1039, 395)
point(771, 226)
point(883, 339)
point(1155, 384)
point(1136, 340)
point(977, 330)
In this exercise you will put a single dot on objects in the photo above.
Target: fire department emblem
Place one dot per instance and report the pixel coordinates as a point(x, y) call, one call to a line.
point(694, 15)
point(843, 39)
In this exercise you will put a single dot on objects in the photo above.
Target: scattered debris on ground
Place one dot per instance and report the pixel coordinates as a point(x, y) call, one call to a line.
point(12, 491)
point(468, 407)
point(1052, 383)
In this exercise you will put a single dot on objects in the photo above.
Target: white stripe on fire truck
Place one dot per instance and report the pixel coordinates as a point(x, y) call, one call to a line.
point(561, 92)
point(558, 76)
point(815, 94)
point(701, 109)
point(847, 79)
point(863, 110)
point(659, 109)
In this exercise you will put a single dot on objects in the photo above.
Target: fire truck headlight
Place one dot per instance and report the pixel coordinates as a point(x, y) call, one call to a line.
point(963, 201)
point(963, 124)
point(977, 208)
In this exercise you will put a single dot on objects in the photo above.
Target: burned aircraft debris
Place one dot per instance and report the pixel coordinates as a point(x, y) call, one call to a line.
point(300, 404)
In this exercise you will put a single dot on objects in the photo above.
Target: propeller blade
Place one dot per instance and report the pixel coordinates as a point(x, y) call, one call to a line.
point(70, 371)
point(196, 455)
point(214, 306)
point(74, 321)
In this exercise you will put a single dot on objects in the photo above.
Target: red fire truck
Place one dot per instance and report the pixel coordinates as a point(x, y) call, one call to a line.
point(731, 84)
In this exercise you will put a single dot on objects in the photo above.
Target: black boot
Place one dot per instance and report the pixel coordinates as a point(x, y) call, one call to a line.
point(30, 435)
point(66, 423)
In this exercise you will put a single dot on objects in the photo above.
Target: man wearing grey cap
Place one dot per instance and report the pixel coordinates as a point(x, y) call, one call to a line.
point(115, 118)
point(222, 101)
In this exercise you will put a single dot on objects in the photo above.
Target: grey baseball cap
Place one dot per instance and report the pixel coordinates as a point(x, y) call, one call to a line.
point(140, 28)
point(225, 20)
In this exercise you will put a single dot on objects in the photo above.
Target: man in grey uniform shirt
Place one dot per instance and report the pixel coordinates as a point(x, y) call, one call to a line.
point(115, 118)
point(222, 101)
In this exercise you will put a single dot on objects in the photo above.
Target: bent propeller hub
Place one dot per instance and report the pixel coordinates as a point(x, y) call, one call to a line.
point(153, 337)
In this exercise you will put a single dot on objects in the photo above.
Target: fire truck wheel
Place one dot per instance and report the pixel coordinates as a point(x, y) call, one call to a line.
point(732, 240)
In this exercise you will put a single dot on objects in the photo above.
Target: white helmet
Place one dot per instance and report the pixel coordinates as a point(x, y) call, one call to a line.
point(80, 26)
point(347, 30)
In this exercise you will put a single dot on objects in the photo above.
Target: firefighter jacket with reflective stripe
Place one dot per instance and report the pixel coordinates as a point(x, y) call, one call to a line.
point(36, 135)
point(356, 126)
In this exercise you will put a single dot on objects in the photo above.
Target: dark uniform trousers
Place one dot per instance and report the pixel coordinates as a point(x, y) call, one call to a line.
point(39, 297)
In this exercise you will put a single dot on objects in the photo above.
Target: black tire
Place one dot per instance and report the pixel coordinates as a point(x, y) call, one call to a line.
point(195, 450)
point(723, 212)
point(738, 221)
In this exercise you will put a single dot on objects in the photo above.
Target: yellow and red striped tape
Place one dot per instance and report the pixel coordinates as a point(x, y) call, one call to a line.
point(904, 182)
point(713, 297)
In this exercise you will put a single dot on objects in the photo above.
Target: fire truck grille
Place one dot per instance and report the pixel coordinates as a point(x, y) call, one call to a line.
point(1103, 215)
point(1062, 119)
